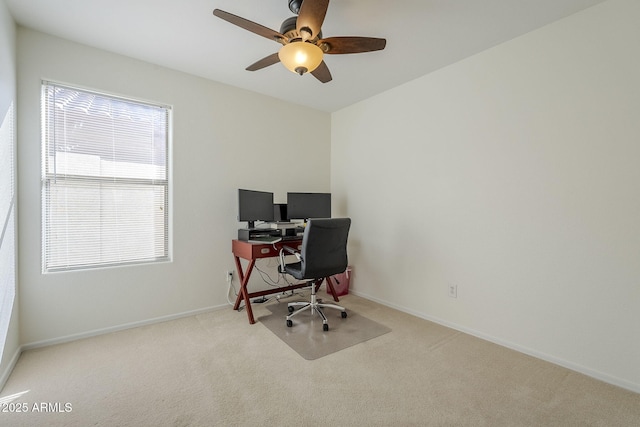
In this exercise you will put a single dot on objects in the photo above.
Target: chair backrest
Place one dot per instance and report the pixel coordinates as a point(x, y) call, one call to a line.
point(324, 247)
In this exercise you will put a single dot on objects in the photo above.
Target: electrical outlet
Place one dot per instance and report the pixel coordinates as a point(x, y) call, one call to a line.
point(453, 290)
point(229, 276)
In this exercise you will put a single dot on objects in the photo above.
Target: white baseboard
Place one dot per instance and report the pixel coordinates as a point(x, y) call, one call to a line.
point(619, 382)
point(96, 332)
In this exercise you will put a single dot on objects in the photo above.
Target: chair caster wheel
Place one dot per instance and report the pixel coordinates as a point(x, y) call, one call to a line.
point(343, 314)
point(290, 309)
point(325, 327)
point(289, 323)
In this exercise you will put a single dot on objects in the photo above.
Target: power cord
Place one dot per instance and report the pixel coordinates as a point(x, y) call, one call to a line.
point(267, 279)
point(232, 303)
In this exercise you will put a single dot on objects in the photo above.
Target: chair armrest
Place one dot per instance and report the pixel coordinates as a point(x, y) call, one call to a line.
point(288, 249)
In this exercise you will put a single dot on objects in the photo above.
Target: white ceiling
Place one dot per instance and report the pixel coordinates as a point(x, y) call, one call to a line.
point(422, 36)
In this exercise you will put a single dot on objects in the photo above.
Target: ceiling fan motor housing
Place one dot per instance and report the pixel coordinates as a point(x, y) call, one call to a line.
point(290, 30)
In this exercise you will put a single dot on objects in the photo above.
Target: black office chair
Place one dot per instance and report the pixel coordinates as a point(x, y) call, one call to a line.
point(323, 254)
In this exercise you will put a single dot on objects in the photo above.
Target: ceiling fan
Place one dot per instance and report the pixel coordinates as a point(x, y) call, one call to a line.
point(303, 46)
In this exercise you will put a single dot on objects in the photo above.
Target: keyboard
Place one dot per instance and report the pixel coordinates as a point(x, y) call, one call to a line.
point(287, 238)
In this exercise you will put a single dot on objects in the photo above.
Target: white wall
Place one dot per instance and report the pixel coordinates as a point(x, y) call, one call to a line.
point(224, 139)
point(514, 175)
point(9, 331)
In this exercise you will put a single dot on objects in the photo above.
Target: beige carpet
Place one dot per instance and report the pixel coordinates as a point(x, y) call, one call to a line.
point(215, 369)
point(307, 337)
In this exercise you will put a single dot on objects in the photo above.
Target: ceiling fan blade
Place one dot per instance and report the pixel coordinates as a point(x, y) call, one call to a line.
point(264, 62)
point(249, 25)
point(322, 73)
point(342, 45)
point(311, 17)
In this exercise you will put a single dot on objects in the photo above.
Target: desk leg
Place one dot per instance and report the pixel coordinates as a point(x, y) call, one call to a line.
point(244, 294)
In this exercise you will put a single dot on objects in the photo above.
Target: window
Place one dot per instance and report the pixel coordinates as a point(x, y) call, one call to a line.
point(105, 186)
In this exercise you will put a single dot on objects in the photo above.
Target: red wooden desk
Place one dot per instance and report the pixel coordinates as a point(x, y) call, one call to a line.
point(253, 251)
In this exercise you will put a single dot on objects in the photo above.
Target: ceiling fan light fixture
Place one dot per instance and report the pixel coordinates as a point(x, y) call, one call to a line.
point(300, 57)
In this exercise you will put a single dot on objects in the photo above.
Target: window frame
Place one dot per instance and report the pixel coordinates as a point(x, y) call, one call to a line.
point(47, 178)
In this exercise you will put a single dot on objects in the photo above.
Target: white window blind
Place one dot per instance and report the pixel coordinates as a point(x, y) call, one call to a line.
point(105, 180)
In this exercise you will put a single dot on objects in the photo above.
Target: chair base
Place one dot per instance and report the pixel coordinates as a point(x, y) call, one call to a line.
point(315, 305)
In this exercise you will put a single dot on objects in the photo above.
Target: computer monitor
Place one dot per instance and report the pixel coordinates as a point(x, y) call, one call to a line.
point(308, 205)
point(254, 206)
